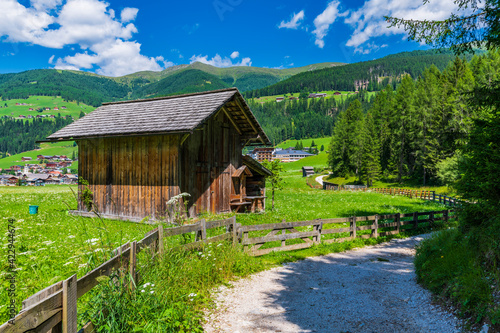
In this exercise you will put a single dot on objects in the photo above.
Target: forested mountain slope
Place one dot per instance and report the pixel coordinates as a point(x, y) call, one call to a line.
point(369, 75)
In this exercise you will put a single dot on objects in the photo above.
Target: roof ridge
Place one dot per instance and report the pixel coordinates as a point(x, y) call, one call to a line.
point(173, 96)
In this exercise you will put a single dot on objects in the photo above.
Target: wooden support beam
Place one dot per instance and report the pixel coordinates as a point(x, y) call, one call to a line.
point(184, 138)
point(245, 115)
point(236, 127)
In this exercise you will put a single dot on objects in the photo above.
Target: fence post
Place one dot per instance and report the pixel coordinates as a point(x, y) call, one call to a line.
point(160, 239)
point(353, 227)
point(398, 222)
point(245, 238)
point(235, 232)
point(415, 220)
point(446, 216)
point(69, 305)
point(433, 195)
point(375, 228)
point(318, 227)
point(132, 263)
point(431, 219)
point(203, 229)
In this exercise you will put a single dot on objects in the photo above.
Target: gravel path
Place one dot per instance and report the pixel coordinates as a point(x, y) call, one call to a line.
point(372, 289)
point(319, 179)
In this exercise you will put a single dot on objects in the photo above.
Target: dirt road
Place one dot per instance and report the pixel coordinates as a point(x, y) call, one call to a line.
point(372, 289)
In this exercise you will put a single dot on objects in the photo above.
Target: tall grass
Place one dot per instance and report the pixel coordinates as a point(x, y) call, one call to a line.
point(449, 265)
point(172, 290)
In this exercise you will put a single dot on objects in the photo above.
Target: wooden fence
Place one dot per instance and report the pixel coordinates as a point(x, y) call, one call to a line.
point(377, 224)
point(422, 194)
point(54, 309)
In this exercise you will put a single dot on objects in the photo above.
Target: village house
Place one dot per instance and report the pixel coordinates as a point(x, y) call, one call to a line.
point(280, 99)
point(26, 158)
point(317, 95)
point(263, 154)
point(290, 155)
point(137, 155)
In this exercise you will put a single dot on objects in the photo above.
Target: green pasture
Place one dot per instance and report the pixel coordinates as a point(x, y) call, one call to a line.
point(329, 94)
point(58, 148)
point(72, 108)
point(54, 245)
point(307, 142)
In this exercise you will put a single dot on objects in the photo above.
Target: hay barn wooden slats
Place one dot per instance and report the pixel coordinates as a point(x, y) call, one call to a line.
point(137, 155)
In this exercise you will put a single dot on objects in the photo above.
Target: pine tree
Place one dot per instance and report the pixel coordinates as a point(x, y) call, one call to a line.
point(370, 170)
point(346, 146)
point(403, 125)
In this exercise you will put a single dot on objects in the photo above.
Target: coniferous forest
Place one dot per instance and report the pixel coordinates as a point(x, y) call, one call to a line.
point(414, 131)
point(17, 136)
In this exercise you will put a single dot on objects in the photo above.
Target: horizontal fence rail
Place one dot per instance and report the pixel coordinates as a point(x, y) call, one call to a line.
point(379, 225)
point(422, 194)
point(54, 309)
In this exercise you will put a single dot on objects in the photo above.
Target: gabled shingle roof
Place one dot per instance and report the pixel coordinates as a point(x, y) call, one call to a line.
point(173, 114)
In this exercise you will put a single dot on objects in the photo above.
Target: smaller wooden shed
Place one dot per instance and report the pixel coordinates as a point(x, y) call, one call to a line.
point(307, 171)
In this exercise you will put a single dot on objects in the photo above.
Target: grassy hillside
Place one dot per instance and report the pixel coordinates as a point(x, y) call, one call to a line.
point(370, 75)
point(243, 77)
point(306, 142)
point(189, 81)
point(92, 90)
point(72, 108)
point(329, 94)
point(58, 148)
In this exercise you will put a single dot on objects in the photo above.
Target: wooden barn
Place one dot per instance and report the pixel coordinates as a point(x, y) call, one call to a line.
point(136, 155)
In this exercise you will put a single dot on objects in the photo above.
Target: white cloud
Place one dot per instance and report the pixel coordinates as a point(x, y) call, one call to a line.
point(51, 59)
point(294, 22)
point(114, 59)
point(368, 21)
point(90, 27)
point(128, 14)
point(235, 55)
point(218, 61)
point(45, 5)
point(323, 22)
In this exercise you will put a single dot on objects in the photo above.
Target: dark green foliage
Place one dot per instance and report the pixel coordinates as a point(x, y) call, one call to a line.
point(419, 125)
point(475, 24)
point(378, 73)
point(303, 118)
point(185, 82)
point(251, 81)
point(17, 136)
point(370, 164)
point(346, 147)
point(89, 89)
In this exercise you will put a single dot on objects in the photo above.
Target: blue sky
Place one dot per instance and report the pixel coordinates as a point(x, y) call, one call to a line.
point(117, 37)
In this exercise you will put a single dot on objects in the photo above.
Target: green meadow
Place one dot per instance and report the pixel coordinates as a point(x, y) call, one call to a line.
point(329, 94)
point(9, 107)
point(53, 245)
point(58, 148)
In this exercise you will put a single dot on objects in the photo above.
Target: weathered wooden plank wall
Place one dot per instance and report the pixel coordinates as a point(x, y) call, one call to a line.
point(209, 157)
point(136, 176)
point(130, 176)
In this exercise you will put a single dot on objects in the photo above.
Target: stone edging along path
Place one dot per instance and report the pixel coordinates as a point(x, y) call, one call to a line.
point(371, 289)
